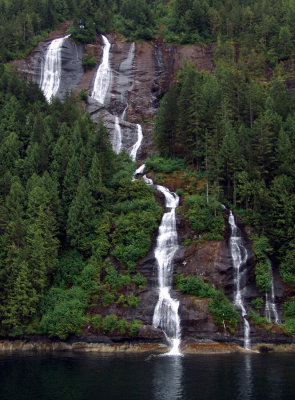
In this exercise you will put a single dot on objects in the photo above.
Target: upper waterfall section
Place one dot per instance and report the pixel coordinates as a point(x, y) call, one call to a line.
point(103, 75)
point(57, 66)
point(51, 71)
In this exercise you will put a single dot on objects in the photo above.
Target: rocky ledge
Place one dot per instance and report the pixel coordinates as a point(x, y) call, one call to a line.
point(202, 347)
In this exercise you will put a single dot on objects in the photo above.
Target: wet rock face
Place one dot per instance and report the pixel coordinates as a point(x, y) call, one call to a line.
point(196, 321)
point(208, 260)
point(129, 130)
point(72, 70)
point(141, 74)
point(71, 60)
point(122, 71)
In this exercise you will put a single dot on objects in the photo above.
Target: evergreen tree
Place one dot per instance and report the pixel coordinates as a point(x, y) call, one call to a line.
point(82, 217)
point(165, 125)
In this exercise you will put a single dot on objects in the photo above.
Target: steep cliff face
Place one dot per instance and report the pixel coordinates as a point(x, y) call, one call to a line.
point(140, 75)
point(212, 261)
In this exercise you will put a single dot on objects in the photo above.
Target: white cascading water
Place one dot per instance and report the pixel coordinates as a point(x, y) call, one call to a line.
point(239, 257)
point(51, 70)
point(123, 116)
point(166, 312)
point(271, 312)
point(117, 140)
point(136, 146)
point(103, 74)
point(140, 170)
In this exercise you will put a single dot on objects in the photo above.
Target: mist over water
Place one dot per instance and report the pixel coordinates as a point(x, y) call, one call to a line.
point(141, 377)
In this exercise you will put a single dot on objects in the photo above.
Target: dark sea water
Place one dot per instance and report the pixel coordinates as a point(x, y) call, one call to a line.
point(201, 377)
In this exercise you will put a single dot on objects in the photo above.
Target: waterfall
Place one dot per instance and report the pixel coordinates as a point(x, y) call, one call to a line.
point(117, 141)
point(136, 146)
point(140, 170)
point(51, 71)
point(166, 311)
point(271, 312)
point(239, 257)
point(103, 74)
point(123, 116)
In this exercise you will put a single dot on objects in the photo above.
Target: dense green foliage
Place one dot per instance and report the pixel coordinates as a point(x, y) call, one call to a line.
point(206, 220)
point(264, 25)
point(73, 224)
point(289, 313)
point(220, 307)
point(263, 271)
point(89, 61)
point(288, 265)
point(67, 202)
point(164, 164)
point(239, 131)
point(257, 319)
point(111, 324)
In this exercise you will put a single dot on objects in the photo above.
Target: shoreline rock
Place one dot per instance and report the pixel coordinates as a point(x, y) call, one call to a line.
point(201, 347)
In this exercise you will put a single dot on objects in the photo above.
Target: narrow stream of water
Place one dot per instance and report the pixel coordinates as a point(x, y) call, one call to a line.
point(239, 257)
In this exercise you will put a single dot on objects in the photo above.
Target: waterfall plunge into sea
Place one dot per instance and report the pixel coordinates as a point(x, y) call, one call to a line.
point(51, 70)
point(239, 257)
point(166, 314)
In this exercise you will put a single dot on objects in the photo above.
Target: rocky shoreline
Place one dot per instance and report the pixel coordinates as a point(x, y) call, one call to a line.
point(202, 347)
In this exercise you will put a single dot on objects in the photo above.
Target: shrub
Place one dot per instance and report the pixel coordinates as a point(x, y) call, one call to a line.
point(287, 268)
point(83, 94)
point(257, 319)
point(89, 61)
point(96, 321)
point(194, 286)
point(123, 326)
point(87, 279)
point(110, 323)
point(63, 312)
point(108, 299)
point(290, 326)
point(161, 164)
point(116, 280)
point(186, 242)
point(263, 271)
point(222, 310)
point(122, 300)
point(257, 303)
point(70, 266)
point(132, 301)
point(134, 328)
point(139, 280)
point(219, 306)
point(263, 275)
point(204, 218)
point(289, 308)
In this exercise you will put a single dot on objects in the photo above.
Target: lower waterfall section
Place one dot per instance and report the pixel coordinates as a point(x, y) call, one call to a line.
point(166, 312)
point(239, 257)
point(271, 311)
